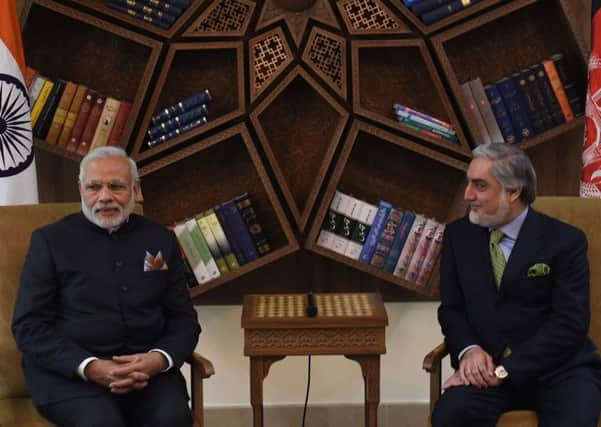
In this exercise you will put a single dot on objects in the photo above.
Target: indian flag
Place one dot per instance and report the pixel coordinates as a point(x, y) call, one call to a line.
point(18, 180)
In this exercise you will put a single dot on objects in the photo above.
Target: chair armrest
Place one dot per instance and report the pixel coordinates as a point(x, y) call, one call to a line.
point(204, 366)
point(433, 359)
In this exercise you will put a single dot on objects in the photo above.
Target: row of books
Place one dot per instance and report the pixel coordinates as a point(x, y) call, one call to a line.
point(179, 118)
point(395, 240)
point(221, 239)
point(526, 103)
point(74, 116)
point(432, 11)
point(161, 13)
point(425, 124)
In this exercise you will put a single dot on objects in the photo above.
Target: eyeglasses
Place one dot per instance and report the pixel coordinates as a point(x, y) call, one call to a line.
point(115, 187)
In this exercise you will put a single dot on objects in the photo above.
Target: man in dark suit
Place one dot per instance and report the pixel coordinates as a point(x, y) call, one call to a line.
point(103, 315)
point(515, 304)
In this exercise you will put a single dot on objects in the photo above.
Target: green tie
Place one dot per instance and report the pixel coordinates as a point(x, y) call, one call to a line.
point(496, 256)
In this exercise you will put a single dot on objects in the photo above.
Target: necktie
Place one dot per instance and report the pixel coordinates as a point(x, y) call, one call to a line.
point(496, 256)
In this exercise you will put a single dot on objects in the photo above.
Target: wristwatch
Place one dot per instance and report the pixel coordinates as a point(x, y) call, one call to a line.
point(500, 372)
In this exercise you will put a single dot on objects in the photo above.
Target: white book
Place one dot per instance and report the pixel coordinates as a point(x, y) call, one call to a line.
point(326, 235)
point(343, 236)
point(365, 218)
point(203, 248)
point(192, 253)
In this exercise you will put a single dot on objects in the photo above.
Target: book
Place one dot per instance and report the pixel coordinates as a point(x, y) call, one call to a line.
point(36, 110)
point(139, 15)
point(221, 239)
point(41, 128)
point(549, 96)
point(558, 90)
point(424, 130)
point(328, 228)
point(538, 98)
point(476, 115)
point(35, 88)
point(60, 114)
point(428, 5)
point(81, 120)
point(200, 98)
point(421, 249)
point(534, 113)
point(399, 241)
point(369, 247)
point(239, 231)
point(72, 113)
point(345, 223)
point(424, 119)
point(105, 123)
point(417, 228)
point(387, 237)
point(404, 108)
point(192, 253)
point(177, 132)
point(485, 110)
point(188, 273)
point(203, 248)
point(569, 84)
point(501, 115)
point(90, 128)
point(203, 225)
point(119, 123)
point(177, 121)
point(165, 6)
point(247, 210)
point(431, 256)
point(364, 219)
point(148, 10)
point(445, 10)
point(512, 98)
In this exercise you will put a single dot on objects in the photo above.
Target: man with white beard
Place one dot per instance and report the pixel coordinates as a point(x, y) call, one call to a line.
point(515, 304)
point(103, 315)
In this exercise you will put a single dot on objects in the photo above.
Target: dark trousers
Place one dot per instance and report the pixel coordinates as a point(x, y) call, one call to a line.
point(162, 403)
point(571, 399)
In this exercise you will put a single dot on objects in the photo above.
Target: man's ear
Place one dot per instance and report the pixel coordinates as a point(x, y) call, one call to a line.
point(515, 193)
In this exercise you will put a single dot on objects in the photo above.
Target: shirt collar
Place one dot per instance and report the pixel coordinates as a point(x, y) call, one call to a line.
point(513, 228)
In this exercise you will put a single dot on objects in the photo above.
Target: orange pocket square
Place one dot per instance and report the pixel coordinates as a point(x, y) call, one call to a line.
point(154, 263)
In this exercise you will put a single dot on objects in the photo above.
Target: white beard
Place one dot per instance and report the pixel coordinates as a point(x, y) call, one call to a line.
point(108, 223)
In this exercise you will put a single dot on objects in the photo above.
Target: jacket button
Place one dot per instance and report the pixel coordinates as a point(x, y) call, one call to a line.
point(124, 288)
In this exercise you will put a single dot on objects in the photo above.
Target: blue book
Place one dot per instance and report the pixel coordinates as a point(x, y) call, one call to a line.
point(428, 5)
point(235, 247)
point(236, 228)
point(387, 237)
point(367, 252)
point(177, 132)
point(536, 116)
point(410, 3)
point(549, 96)
point(399, 241)
point(445, 10)
point(512, 98)
point(501, 114)
point(196, 100)
point(537, 95)
point(139, 15)
point(177, 122)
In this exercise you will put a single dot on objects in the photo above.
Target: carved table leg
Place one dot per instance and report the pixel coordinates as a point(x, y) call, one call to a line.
point(259, 368)
point(370, 367)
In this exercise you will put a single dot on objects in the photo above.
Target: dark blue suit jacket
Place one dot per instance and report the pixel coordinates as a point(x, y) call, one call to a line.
point(84, 292)
point(544, 320)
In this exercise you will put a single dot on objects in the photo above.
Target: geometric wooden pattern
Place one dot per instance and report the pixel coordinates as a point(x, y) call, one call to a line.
point(269, 56)
point(326, 54)
point(223, 18)
point(370, 17)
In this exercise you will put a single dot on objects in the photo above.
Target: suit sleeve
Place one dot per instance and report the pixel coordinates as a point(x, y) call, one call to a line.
point(181, 329)
point(34, 318)
point(566, 327)
point(452, 314)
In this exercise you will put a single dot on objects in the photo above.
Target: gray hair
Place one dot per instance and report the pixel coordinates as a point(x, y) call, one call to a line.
point(511, 167)
point(104, 152)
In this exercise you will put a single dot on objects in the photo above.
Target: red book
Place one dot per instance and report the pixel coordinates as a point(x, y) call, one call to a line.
point(120, 121)
point(90, 127)
point(80, 122)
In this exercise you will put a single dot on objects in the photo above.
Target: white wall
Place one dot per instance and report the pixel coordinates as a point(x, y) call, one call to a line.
point(412, 331)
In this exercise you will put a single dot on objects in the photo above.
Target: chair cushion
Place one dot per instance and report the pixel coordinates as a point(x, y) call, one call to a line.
point(20, 413)
point(518, 419)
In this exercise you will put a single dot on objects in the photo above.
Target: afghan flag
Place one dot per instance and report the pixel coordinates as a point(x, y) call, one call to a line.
point(590, 181)
point(18, 180)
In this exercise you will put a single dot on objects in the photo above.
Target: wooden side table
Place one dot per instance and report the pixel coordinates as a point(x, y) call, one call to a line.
point(349, 324)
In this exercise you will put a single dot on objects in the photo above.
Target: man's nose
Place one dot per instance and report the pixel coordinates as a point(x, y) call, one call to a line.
point(469, 193)
point(105, 193)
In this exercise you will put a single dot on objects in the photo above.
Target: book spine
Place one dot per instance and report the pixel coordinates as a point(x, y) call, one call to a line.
point(367, 252)
point(410, 3)
point(239, 231)
point(387, 237)
point(500, 112)
point(328, 228)
point(515, 107)
point(80, 121)
point(558, 89)
point(200, 98)
point(43, 124)
point(120, 121)
point(177, 122)
point(486, 111)
point(549, 96)
point(476, 116)
point(158, 4)
point(424, 121)
point(192, 254)
point(105, 123)
point(345, 223)
point(365, 218)
point(569, 84)
point(36, 110)
point(188, 273)
point(203, 225)
point(72, 114)
point(533, 112)
point(424, 130)
point(35, 88)
point(431, 257)
point(147, 10)
point(249, 215)
point(177, 132)
point(537, 96)
point(421, 249)
point(428, 5)
point(90, 128)
point(221, 239)
point(182, 4)
point(139, 15)
point(399, 241)
point(229, 233)
point(445, 10)
point(203, 249)
point(61, 113)
point(415, 232)
point(404, 108)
